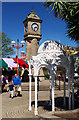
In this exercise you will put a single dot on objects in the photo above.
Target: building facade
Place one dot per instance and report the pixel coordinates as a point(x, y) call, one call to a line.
point(23, 55)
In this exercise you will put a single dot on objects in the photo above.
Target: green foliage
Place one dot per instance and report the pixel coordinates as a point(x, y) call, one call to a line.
point(60, 73)
point(68, 11)
point(5, 46)
point(46, 75)
point(73, 24)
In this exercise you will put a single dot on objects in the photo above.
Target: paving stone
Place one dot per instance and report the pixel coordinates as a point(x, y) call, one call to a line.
point(18, 106)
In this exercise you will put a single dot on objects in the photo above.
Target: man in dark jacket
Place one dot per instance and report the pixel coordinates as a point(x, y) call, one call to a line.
point(3, 81)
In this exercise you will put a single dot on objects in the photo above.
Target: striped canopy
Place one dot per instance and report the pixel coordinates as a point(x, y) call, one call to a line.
point(11, 63)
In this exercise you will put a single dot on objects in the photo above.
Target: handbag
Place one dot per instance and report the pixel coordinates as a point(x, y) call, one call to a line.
point(19, 89)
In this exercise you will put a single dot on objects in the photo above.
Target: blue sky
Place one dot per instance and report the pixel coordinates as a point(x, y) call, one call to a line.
point(14, 13)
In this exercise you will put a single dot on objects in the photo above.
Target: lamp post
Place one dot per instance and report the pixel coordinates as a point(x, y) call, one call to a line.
point(17, 47)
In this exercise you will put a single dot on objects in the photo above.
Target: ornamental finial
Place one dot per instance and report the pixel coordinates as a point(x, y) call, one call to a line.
point(32, 8)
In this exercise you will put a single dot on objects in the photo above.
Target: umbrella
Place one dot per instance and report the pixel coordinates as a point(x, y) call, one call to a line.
point(11, 63)
point(58, 75)
point(21, 63)
point(26, 62)
point(3, 63)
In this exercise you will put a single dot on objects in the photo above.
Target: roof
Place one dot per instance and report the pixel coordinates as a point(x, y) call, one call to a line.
point(50, 46)
point(33, 15)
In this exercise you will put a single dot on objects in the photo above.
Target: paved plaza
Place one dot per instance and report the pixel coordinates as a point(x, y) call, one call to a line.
point(18, 106)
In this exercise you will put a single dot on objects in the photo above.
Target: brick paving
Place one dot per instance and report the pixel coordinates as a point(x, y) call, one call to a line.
point(18, 106)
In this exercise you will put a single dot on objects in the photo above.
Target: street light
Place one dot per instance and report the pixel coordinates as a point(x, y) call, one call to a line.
point(17, 47)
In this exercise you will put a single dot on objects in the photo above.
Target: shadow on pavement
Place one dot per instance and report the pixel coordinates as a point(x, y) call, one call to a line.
point(59, 104)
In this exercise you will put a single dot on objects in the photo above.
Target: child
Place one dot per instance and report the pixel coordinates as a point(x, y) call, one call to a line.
point(11, 89)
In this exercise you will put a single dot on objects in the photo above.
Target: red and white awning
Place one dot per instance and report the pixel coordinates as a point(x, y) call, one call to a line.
point(21, 63)
point(11, 63)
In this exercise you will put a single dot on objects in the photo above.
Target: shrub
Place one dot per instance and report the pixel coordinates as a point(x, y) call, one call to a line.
point(46, 75)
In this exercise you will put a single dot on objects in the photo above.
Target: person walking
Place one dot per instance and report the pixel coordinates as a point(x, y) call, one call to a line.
point(11, 89)
point(3, 81)
point(17, 84)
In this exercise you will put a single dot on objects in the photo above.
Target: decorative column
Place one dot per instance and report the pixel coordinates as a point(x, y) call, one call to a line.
point(37, 89)
point(55, 81)
point(36, 96)
point(53, 106)
point(50, 90)
point(52, 78)
point(30, 77)
point(64, 91)
point(69, 90)
point(72, 76)
point(59, 82)
point(72, 92)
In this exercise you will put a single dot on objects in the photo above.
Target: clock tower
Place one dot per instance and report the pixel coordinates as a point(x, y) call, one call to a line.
point(32, 34)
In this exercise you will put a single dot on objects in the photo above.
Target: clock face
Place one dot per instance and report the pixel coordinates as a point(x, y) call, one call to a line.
point(34, 27)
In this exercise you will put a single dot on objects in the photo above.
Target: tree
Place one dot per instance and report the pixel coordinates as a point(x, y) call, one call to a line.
point(68, 11)
point(5, 45)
